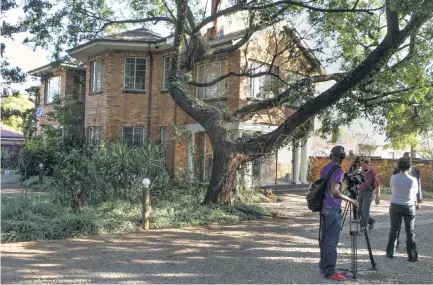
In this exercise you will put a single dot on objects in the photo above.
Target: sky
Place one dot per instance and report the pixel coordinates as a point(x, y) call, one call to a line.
point(27, 59)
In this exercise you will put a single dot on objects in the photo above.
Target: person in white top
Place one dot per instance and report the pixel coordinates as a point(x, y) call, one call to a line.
point(404, 189)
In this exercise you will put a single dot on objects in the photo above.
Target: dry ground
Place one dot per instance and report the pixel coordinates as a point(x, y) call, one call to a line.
point(264, 251)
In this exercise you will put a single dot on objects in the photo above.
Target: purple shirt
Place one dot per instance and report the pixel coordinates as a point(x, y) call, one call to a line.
point(337, 177)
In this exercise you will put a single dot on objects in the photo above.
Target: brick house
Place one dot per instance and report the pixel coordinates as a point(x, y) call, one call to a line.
point(125, 79)
point(63, 80)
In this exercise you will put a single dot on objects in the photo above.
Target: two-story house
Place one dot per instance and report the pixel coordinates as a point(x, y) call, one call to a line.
point(126, 76)
point(63, 80)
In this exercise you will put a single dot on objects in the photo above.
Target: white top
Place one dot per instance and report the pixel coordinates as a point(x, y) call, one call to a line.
point(404, 188)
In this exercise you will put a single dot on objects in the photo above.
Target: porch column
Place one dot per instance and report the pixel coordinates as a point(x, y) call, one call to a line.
point(304, 160)
point(191, 152)
point(295, 163)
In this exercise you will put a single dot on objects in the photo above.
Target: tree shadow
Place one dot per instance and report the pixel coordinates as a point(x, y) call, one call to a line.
point(261, 251)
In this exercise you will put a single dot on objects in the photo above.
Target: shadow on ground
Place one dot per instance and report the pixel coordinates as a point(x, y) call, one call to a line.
point(266, 251)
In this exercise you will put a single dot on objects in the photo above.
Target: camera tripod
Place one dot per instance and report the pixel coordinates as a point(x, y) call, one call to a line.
point(354, 233)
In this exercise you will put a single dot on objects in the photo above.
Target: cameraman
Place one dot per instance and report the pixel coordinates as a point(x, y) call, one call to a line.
point(330, 217)
point(368, 190)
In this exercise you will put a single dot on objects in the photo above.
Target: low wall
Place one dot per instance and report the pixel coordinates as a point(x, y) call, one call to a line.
point(383, 167)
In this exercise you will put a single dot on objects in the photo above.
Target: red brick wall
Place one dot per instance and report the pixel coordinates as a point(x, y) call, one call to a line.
point(383, 167)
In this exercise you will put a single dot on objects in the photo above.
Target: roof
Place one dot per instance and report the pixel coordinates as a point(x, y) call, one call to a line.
point(11, 135)
point(141, 35)
point(54, 66)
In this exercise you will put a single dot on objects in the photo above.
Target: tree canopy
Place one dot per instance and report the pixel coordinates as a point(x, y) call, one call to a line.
point(379, 52)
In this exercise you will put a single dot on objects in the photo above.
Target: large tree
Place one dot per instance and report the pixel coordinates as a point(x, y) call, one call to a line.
point(379, 47)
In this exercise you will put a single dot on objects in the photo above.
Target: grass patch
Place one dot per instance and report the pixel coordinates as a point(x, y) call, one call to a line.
point(39, 218)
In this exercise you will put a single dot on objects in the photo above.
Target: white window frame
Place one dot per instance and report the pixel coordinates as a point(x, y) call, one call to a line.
point(49, 98)
point(78, 86)
point(165, 74)
point(257, 67)
point(220, 89)
point(135, 73)
point(92, 131)
point(133, 134)
point(96, 75)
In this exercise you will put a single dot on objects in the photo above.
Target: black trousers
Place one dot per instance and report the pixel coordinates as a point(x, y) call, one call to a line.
point(397, 213)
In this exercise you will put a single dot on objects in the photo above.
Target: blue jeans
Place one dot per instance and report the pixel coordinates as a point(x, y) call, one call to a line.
point(331, 226)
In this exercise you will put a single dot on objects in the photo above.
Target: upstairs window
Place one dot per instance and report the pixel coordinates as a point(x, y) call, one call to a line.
point(52, 89)
point(135, 73)
point(94, 135)
point(208, 73)
point(96, 75)
point(78, 86)
point(262, 87)
point(133, 135)
point(166, 72)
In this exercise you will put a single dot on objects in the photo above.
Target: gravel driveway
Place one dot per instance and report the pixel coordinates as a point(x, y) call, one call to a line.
point(266, 251)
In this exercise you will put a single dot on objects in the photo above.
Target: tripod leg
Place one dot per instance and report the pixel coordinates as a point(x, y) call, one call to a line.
point(373, 263)
point(346, 209)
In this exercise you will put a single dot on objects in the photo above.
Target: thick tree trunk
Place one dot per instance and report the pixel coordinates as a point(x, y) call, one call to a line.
point(223, 178)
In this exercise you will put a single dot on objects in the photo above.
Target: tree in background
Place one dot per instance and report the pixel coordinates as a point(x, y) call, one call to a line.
point(381, 50)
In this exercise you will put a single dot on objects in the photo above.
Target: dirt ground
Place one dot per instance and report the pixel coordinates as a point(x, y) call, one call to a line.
point(261, 251)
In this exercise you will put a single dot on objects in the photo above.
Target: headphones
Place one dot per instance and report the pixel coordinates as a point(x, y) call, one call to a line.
point(343, 153)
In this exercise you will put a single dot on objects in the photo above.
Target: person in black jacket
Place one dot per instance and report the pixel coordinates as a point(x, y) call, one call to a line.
point(417, 175)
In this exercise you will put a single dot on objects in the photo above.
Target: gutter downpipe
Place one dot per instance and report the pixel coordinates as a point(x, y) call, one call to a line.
point(149, 103)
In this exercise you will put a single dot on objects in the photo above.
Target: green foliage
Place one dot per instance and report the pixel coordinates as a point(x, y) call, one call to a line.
point(114, 171)
point(11, 109)
point(41, 218)
point(46, 151)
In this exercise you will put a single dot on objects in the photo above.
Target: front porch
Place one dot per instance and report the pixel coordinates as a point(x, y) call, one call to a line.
point(284, 170)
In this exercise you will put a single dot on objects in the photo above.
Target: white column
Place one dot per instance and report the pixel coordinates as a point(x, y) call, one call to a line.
point(304, 161)
point(295, 165)
point(191, 151)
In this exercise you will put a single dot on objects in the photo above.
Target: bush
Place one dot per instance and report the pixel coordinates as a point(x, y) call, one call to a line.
point(39, 218)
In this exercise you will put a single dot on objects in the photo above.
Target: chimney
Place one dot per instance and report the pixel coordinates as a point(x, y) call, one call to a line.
point(212, 32)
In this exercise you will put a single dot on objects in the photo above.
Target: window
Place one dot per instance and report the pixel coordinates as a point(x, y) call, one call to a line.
point(135, 73)
point(78, 86)
point(52, 89)
point(94, 135)
point(96, 75)
point(164, 140)
point(262, 87)
point(207, 73)
point(133, 135)
point(166, 72)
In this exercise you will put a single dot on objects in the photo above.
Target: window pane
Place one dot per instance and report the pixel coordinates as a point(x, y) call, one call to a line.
point(164, 139)
point(140, 80)
point(53, 89)
point(128, 134)
point(138, 136)
point(166, 71)
point(129, 73)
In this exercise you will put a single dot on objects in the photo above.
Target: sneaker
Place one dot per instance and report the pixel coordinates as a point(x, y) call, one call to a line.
point(337, 277)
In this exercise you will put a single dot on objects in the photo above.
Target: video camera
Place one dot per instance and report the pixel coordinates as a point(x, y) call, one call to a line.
point(354, 179)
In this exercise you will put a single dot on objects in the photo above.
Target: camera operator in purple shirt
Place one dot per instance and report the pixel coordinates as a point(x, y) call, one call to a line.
point(331, 218)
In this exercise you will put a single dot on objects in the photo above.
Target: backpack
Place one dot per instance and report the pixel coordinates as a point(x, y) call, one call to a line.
point(317, 191)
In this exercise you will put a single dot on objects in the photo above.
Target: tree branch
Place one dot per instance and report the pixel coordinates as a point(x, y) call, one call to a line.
point(232, 73)
point(377, 58)
point(285, 96)
point(136, 21)
point(248, 7)
point(381, 94)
